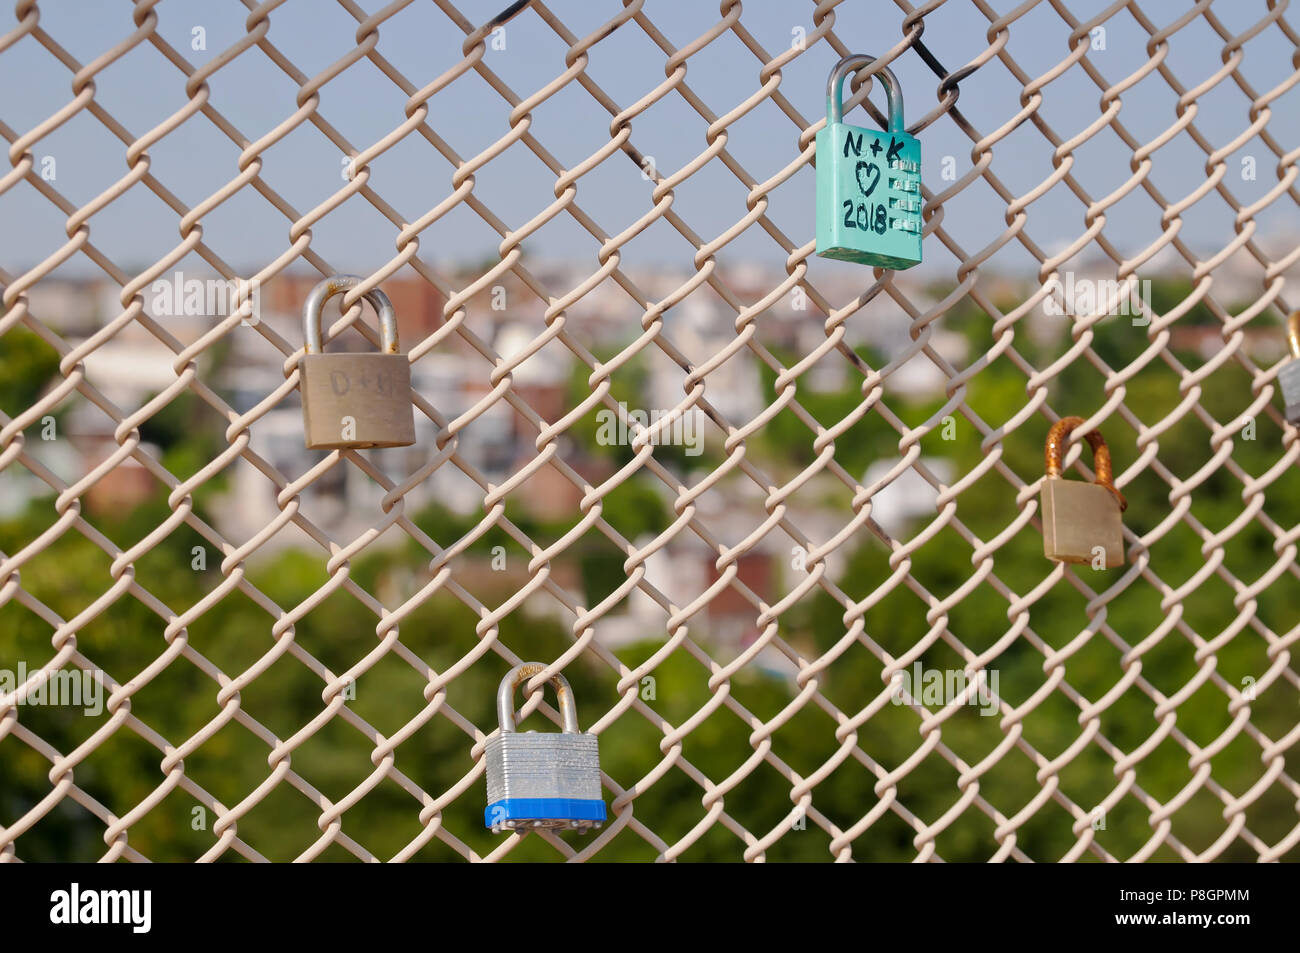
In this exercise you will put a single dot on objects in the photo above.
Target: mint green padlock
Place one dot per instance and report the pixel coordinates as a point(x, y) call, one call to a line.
point(868, 182)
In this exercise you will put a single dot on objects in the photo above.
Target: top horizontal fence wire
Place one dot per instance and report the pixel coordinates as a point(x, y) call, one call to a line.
point(805, 605)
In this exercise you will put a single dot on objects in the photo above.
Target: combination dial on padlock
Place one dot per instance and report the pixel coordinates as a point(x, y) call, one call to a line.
point(868, 181)
point(354, 401)
point(1081, 520)
point(546, 780)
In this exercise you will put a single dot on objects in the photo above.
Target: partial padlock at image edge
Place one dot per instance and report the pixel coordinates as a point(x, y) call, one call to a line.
point(1288, 378)
point(354, 401)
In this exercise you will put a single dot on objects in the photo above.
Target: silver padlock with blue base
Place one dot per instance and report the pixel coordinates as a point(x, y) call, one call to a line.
point(549, 781)
point(868, 181)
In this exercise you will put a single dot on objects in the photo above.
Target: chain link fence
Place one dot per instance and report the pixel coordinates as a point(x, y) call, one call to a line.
point(777, 523)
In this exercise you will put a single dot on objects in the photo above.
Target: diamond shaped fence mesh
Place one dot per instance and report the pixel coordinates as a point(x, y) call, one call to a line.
point(775, 518)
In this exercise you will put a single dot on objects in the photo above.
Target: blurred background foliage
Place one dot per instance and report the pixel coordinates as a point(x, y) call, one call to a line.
point(235, 633)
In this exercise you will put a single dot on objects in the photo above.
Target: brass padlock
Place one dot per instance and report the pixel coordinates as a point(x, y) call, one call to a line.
point(1080, 518)
point(353, 401)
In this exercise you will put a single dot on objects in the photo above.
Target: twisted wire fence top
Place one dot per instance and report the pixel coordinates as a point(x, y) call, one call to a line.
point(750, 627)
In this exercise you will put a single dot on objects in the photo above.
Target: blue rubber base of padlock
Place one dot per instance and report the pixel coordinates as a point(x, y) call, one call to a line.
point(544, 809)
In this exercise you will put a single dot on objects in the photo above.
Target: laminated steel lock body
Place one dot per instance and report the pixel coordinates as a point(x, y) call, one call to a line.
point(353, 401)
point(546, 780)
point(868, 182)
point(1289, 376)
point(1080, 517)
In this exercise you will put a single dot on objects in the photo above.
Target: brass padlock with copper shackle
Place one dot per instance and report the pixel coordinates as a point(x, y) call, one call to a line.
point(1079, 519)
point(354, 401)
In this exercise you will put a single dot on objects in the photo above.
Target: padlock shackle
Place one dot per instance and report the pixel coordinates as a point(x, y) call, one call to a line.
point(835, 90)
point(1055, 453)
point(1293, 333)
point(522, 673)
point(338, 284)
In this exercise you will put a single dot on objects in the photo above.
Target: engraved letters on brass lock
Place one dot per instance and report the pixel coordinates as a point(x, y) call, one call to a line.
point(1079, 518)
point(868, 181)
point(354, 401)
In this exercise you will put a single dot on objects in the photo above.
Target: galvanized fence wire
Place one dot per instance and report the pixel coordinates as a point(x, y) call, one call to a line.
point(681, 623)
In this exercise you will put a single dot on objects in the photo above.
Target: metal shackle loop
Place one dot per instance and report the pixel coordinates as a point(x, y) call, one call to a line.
point(338, 284)
point(835, 90)
point(522, 673)
point(1055, 453)
point(1293, 333)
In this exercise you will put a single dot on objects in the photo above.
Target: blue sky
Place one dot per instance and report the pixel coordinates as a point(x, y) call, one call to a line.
point(252, 92)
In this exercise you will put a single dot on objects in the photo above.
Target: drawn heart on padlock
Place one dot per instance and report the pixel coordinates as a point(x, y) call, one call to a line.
point(866, 167)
